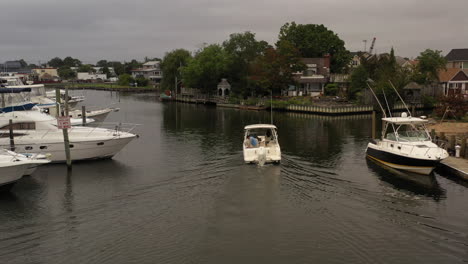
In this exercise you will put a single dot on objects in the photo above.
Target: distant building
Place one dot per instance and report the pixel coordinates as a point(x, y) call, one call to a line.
point(312, 80)
point(457, 58)
point(414, 93)
point(454, 81)
point(151, 70)
point(356, 58)
point(45, 74)
point(90, 77)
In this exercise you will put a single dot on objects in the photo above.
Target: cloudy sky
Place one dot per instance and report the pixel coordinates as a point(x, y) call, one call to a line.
point(121, 30)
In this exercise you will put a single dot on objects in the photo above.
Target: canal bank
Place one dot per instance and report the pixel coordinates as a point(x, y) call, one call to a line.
point(181, 193)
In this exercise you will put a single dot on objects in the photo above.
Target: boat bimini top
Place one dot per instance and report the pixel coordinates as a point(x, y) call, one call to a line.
point(404, 120)
point(256, 126)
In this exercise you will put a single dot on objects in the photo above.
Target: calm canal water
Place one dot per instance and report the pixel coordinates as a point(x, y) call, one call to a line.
point(181, 194)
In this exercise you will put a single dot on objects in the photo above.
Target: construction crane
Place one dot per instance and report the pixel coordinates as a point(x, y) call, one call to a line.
point(372, 46)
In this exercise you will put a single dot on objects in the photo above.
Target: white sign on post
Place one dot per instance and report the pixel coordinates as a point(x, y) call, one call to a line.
point(63, 122)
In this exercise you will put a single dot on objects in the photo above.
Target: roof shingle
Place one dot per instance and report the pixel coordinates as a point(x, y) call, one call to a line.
point(457, 55)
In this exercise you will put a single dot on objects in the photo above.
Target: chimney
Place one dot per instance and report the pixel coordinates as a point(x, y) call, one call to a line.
point(326, 63)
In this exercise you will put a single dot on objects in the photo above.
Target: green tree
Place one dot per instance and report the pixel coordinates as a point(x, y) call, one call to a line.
point(430, 63)
point(316, 41)
point(106, 71)
point(132, 65)
point(171, 66)
point(85, 68)
point(66, 73)
point(359, 78)
point(71, 62)
point(242, 49)
point(102, 63)
point(55, 62)
point(206, 69)
point(125, 79)
point(118, 67)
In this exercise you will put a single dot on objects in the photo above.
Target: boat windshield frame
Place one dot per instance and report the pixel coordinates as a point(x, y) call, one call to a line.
point(417, 132)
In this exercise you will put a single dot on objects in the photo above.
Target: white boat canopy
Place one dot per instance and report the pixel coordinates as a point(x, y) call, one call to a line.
point(405, 120)
point(259, 126)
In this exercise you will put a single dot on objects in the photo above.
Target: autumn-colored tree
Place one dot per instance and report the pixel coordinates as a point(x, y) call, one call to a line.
point(274, 70)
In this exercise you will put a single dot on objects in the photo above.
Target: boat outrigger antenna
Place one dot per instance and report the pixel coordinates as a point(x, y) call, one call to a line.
point(375, 96)
point(393, 86)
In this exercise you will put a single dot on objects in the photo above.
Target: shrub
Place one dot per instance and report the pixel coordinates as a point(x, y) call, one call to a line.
point(142, 81)
point(233, 99)
point(331, 89)
point(456, 104)
point(280, 104)
point(429, 101)
point(125, 79)
point(251, 101)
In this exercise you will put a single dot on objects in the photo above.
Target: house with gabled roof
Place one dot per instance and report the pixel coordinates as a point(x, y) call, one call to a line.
point(457, 58)
point(454, 81)
point(312, 80)
point(150, 70)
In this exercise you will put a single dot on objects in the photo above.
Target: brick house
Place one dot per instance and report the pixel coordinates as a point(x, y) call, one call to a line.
point(312, 80)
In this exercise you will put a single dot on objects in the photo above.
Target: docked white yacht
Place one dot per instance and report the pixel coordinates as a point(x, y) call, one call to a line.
point(13, 166)
point(45, 101)
point(406, 145)
point(261, 144)
point(36, 132)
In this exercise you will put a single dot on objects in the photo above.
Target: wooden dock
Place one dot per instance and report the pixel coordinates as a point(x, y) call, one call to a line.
point(457, 167)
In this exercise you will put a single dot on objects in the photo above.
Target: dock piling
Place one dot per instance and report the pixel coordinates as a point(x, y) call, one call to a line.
point(12, 136)
point(83, 114)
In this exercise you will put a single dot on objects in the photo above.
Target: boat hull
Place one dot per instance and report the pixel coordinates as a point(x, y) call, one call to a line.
point(83, 150)
point(11, 174)
point(421, 166)
point(256, 155)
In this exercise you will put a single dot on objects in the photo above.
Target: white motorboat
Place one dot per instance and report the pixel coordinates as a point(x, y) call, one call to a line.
point(73, 100)
point(97, 115)
point(406, 145)
point(261, 144)
point(13, 166)
point(41, 158)
point(36, 132)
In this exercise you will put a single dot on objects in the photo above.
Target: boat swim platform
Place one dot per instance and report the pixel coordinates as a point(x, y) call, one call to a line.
point(457, 167)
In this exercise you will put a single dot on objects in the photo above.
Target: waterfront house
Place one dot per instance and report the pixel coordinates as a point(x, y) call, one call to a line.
point(150, 70)
point(312, 80)
point(454, 81)
point(457, 58)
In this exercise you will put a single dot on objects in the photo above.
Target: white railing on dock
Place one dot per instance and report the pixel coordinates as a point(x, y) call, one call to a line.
point(341, 109)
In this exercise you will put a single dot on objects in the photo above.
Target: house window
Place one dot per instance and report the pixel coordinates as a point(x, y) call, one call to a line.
point(465, 65)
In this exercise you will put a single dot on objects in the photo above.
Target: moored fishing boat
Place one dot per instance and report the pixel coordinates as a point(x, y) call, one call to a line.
point(406, 145)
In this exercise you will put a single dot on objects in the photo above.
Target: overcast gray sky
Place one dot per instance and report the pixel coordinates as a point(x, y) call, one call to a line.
point(121, 30)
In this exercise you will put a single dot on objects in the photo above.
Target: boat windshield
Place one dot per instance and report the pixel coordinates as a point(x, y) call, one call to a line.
point(411, 133)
